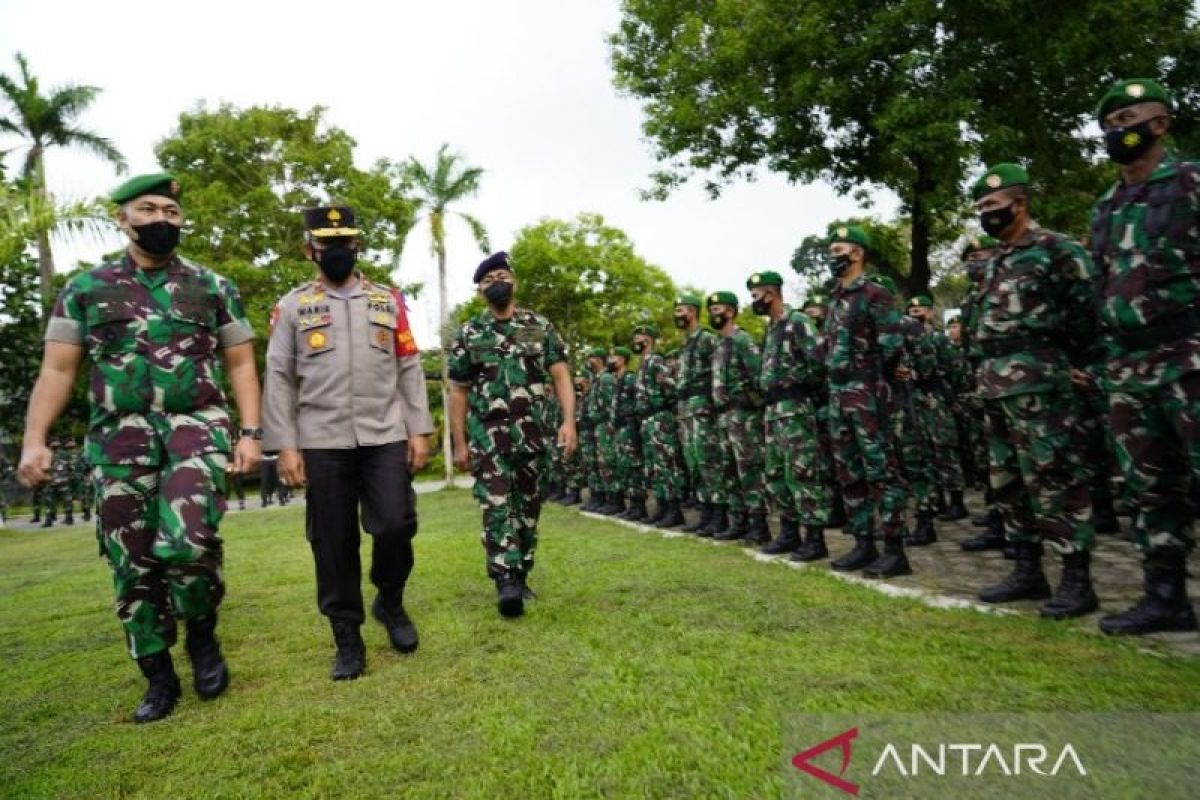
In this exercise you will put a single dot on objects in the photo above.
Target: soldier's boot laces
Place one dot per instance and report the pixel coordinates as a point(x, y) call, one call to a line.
point(402, 633)
point(863, 555)
point(702, 519)
point(672, 517)
point(510, 595)
point(735, 530)
point(892, 563)
point(956, 510)
point(758, 531)
point(787, 540)
point(164, 690)
point(350, 660)
point(210, 674)
point(718, 522)
point(1075, 596)
point(924, 533)
point(1104, 517)
point(1027, 581)
point(1165, 606)
point(814, 547)
point(990, 539)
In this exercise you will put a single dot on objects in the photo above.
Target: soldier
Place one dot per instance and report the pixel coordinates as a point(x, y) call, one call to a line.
point(58, 490)
point(600, 383)
point(661, 455)
point(268, 479)
point(790, 380)
point(345, 407)
point(1147, 247)
point(816, 306)
point(238, 485)
point(738, 402)
point(160, 438)
point(577, 465)
point(700, 439)
point(864, 351)
point(501, 363)
point(631, 482)
point(553, 470)
point(1037, 330)
point(81, 481)
point(6, 472)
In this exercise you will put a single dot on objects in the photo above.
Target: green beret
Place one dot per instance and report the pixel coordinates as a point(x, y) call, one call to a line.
point(999, 177)
point(623, 352)
point(920, 301)
point(851, 234)
point(159, 183)
point(597, 352)
point(689, 299)
point(955, 320)
point(647, 329)
point(728, 298)
point(816, 299)
point(583, 376)
point(767, 278)
point(885, 281)
point(1130, 92)
point(674, 353)
point(977, 243)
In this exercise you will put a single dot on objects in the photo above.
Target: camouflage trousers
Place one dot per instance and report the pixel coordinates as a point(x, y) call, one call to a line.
point(1036, 469)
point(910, 442)
point(58, 497)
point(795, 480)
point(1157, 436)
point(83, 492)
point(606, 457)
point(588, 458)
point(743, 456)
point(865, 461)
point(702, 455)
point(1099, 460)
point(833, 487)
point(157, 526)
point(941, 439)
point(631, 481)
point(662, 457)
point(507, 489)
point(972, 437)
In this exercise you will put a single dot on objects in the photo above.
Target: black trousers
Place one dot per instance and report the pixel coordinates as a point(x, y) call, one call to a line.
point(338, 482)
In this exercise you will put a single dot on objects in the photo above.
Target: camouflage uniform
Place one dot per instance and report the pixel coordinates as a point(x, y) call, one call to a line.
point(934, 386)
point(575, 467)
point(6, 474)
point(909, 432)
point(505, 366)
point(159, 437)
point(626, 425)
point(589, 448)
point(661, 453)
point(553, 465)
point(602, 396)
point(81, 484)
point(701, 443)
point(736, 370)
point(59, 491)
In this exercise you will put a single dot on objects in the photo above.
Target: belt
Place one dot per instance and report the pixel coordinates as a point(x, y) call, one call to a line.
point(1172, 329)
point(996, 348)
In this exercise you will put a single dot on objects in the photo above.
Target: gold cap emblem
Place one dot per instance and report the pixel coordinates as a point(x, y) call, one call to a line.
point(334, 215)
point(843, 232)
point(714, 298)
point(755, 278)
point(1135, 90)
point(994, 181)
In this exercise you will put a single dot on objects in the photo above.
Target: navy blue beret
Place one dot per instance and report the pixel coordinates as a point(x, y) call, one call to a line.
point(494, 261)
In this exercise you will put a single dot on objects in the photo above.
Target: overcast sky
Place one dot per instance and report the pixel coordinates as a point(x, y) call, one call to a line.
point(522, 88)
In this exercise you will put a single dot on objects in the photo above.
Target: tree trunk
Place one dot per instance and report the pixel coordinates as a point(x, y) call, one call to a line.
point(443, 335)
point(918, 277)
point(45, 257)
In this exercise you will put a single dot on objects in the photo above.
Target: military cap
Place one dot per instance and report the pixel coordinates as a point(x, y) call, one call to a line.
point(597, 352)
point(727, 298)
point(498, 260)
point(851, 234)
point(330, 221)
point(688, 299)
point(1130, 92)
point(672, 353)
point(920, 301)
point(816, 299)
point(767, 278)
point(1001, 176)
point(977, 243)
point(583, 376)
point(647, 329)
point(162, 184)
point(955, 320)
point(885, 281)
point(623, 352)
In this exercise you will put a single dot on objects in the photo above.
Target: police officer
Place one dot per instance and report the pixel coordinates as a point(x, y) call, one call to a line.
point(502, 364)
point(160, 440)
point(345, 406)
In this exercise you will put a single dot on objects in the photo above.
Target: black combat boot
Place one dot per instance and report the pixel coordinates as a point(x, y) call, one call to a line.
point(660, 511)
point(637, 509)
point(572, 498)
point(210, 674)
point(1104, 516)
point(924, 533)
point(49, 521)
point(939, 500)
point(615, 506)
point(707, 510)
point(37, 516)
point(718, 522)
point(892, 563)
point(814, 547)
point(402, 633)
point(527, 592)
point(1075, 596)
point(69, 519)
point(689, 502)
point(1165, 606)
point(735, 530)
point(672, 517)
point(758, 530)
point(956, 510)
point(990, 539)
point(595, 501)
point(982, 520)
point(1027, 581)
point(351, 658)
point(863, 555)
point(163, 692)
point(837, 512)
point(510, 595)
point(787, 540)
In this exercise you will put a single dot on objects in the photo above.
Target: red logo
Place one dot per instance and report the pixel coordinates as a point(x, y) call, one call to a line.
point(801, 761)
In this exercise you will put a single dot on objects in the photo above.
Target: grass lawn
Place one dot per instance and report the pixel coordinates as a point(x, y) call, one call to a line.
point(648, 667)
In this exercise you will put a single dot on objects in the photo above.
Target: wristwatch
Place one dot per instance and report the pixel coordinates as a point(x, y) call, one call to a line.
point(254, 433)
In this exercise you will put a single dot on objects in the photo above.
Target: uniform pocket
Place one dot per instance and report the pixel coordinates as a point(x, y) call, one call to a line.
point(383, 333)
point(316, 337)
point(112, 327)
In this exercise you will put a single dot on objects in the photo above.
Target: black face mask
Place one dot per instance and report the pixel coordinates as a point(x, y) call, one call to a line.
point(612, 366)
point(760, 307)
point(1126, 145)
point(839, 265)
point(717, 321)
point(499, 294)
point(681, 322)
point(336, 263)
point(639, 347)
point(975, 270)
point(157, 238)
point(997, 221)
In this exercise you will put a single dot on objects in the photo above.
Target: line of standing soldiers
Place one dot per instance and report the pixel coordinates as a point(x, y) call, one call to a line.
point(69, 482)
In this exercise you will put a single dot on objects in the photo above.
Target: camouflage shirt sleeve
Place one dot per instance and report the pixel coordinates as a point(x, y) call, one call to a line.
point(556, 351)
point(232, 326)
point(67, 320)
point(1078, 278)
point(459, 360)
point(889, 329)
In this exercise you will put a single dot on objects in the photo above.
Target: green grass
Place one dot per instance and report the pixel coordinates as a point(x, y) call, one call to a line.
point(649, 667)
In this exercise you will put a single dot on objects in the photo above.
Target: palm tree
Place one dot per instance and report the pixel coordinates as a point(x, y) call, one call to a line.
point(24, 216)
point(46, 121)
point(447, 182)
